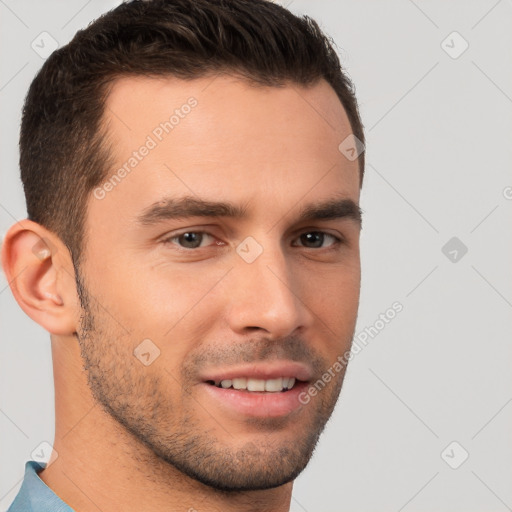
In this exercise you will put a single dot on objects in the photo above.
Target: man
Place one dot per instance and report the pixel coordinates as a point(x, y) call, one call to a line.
point(192, 171)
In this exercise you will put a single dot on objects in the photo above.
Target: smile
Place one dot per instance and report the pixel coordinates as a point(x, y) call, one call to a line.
point(256, 385)
point(258, 390)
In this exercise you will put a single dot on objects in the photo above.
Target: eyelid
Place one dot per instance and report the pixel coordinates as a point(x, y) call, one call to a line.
point(168, 239)
point(338, 239)
point(318, 229)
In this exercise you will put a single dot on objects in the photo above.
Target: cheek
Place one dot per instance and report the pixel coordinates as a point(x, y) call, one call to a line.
point(154, 295)
point(174, 308)
point(335, 302)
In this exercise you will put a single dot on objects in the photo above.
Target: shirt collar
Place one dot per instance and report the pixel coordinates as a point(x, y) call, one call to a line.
point(34, 495)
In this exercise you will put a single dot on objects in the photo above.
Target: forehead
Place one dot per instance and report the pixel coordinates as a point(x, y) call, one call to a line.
point(225, 96)
point(221, 137)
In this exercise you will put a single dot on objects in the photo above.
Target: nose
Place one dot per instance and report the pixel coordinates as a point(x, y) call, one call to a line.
point(265, 295)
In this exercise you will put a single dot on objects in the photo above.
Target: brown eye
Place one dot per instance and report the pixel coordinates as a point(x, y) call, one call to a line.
point(190, 240)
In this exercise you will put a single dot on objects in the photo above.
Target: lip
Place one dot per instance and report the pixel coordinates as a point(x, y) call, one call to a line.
point(267, 370)
point(253, 404)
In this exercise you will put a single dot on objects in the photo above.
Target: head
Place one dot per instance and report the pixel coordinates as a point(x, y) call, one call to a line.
point(182, 160)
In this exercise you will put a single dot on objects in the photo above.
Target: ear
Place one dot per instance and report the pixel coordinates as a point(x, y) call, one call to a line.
point(40, 273)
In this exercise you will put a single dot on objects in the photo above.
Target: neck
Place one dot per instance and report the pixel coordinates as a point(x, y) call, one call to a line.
point(100, 465)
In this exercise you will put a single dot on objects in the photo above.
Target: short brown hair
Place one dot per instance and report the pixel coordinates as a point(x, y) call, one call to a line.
point(62, 154)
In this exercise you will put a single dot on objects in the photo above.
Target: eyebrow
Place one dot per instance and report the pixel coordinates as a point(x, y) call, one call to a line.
point(185, 207)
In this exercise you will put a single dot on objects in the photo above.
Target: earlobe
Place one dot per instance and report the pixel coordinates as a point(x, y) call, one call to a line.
point(41, 277)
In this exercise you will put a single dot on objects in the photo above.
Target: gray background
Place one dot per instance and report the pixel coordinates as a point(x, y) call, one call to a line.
point(439, 153)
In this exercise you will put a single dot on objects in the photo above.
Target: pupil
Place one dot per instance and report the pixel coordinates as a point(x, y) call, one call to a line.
point(314, 239)
point(190, 240)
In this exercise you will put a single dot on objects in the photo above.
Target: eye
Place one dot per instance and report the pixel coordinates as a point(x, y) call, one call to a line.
point(191, 239)
point(316, 240)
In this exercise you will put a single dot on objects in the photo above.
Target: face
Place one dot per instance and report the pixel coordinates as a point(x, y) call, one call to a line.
point(220, 276)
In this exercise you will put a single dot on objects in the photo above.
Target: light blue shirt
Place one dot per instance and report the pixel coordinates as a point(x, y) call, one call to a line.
point(34, 495)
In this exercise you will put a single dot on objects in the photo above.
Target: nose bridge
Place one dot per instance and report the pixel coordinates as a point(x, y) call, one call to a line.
point(266, 292)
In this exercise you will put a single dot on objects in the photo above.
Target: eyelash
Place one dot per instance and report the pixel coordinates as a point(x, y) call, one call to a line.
point(169, 240)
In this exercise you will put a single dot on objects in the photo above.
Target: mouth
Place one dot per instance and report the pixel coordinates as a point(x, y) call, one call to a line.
point(278, 385)
point(270, 390)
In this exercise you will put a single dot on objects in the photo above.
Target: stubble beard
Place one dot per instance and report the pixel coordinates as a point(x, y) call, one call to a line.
point(136, 400)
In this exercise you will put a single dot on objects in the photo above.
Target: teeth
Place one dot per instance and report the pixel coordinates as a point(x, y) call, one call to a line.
point(269, 385)
point(255, 385)
point(240, 383)
point(274, 384)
